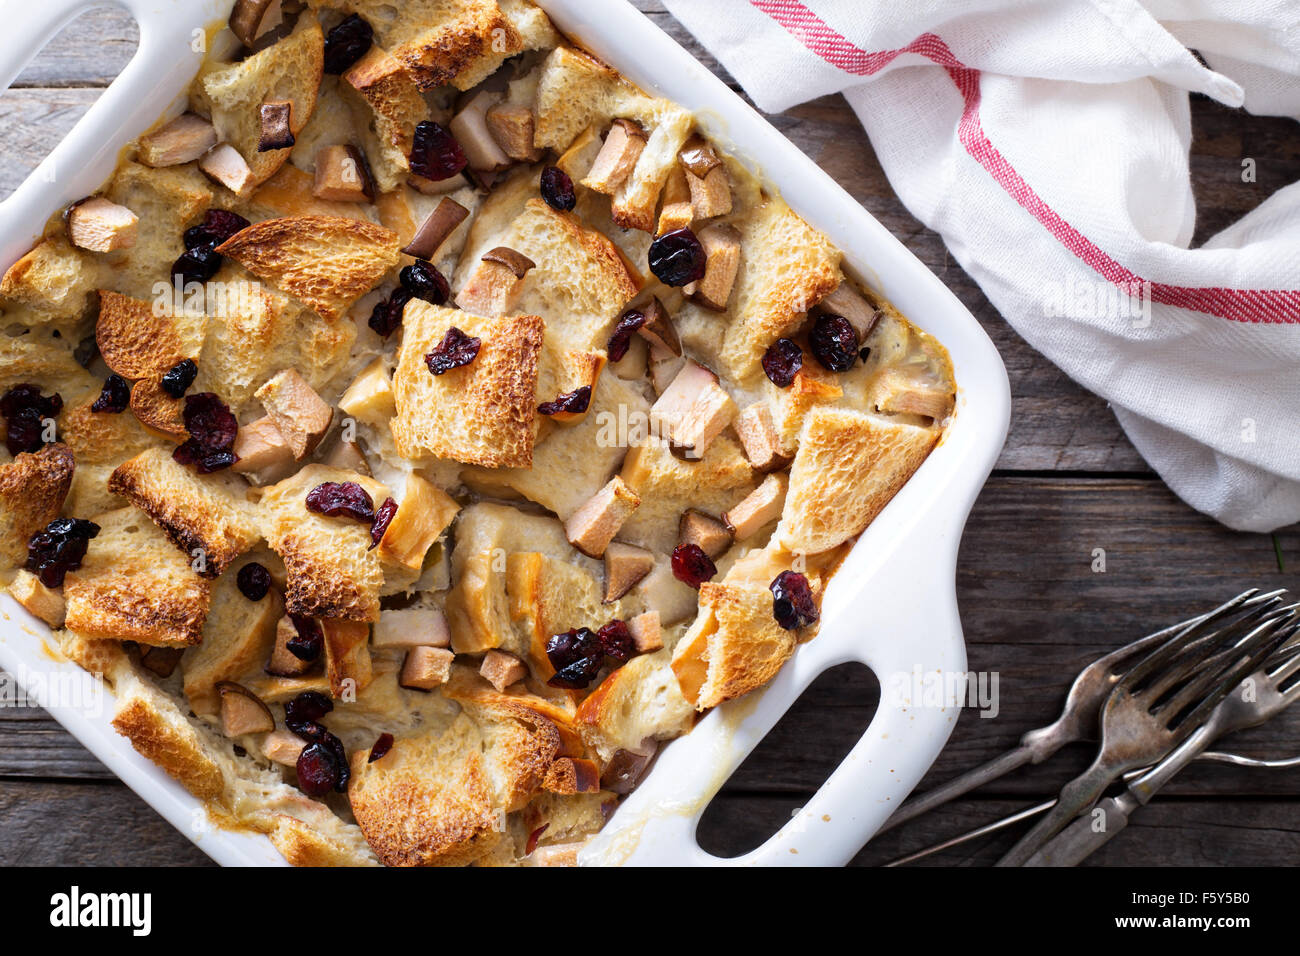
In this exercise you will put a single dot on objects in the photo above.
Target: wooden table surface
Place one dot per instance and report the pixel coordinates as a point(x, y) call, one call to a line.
point(1033, 609)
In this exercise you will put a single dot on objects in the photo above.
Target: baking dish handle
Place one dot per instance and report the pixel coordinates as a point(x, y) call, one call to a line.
point(910, 636)
point(169, 52)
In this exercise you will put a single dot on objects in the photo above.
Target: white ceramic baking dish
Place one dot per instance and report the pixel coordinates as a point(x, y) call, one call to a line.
point(892, 606)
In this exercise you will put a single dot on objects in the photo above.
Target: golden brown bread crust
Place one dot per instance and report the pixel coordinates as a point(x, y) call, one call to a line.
point(481, 413)
point(445, 54)
point(32, 490)
point(194, 512)
point(849, 466)
point(171, 744)
point(136, 342)
point(54, 279)
point(327, 262)
point(157, 411)
point(96, 438)
point(304, 845)
point(331, 570)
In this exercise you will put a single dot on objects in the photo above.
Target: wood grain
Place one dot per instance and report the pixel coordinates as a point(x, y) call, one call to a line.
point(1033, 609)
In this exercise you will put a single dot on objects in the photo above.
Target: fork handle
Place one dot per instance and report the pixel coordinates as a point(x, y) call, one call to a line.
point(1083, 837)
point(997, 767)
point(1076, 796)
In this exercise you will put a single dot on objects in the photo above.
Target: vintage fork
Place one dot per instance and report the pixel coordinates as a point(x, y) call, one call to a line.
point(1078, 719)
point(1154, 708)
point(1257, 699)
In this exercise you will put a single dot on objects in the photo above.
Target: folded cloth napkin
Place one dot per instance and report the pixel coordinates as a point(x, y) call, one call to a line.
point(1047, 142)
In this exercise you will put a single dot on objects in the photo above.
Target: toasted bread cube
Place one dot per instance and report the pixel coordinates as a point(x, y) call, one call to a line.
point(182, 140)
point(260, 446)
point(512, 128)
point(341, 175)
point(592, 527)
point(712, 536)
point(411, 627)
point(347, 654)
point(298, 412)
point(851, 304)
point(98, 225)
point(677, 211)
point(759, 437)
point(283, 747)
point(37, 599)
point(422, 516)
point(283, 662)
point(493, 287)
point(569, 775)
point(223, 164)
point(370, 396)
point(625, 566)
point(760, 506)
point(242, 711)
point(710, 195)
point(647, 634)
point(502, 669)
point(470, 127)
point(617, 158)
point(721, 245)
point(693, 410)
point(426, 668)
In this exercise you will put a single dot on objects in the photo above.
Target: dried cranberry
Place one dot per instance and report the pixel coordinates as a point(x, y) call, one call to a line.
point(383, 517)
point(781, 361)
point(254, 581)
point(179, 378)
point(342, 499)
point(381, 746)
point(196, 265)
point(319, 770)
point(575, 401)
point(387, 315)
point(533, 837)
point(834, 342)
point(621, 340)
point(436, 154)
point(212, 429)
point(221, 224)
point(114, 397)
point(616, 639)
point(677, 258)
point(557, 189)
point(576, 656)
point(423, 280)
point(309, 706)
point(691, 565)
point(25, 411)
point(197, 236)
point(347, 43)
point(792, 601)
point(58, 549)
point(455, 349)
point(308, 641)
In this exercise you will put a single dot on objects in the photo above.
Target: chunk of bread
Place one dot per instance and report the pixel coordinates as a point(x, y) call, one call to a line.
point(32, 490)
point(303, 845)
point(96, 438)
point(786, 268)
point(326, 262)
point(136, 342)
point(237, 639)
point(422, 515)
point(637, 200)
point(638, 700)
point(331, 569)
point(390, 95)
point(481, 413)
point(54, 280)
point(45, 604)
point(205, 516)
point(548, 596)
point(288, 70)
point(734, 646)
point(135, 586)
point(573, 92)
point(668, 485)
point(167, 201)
point(790, 406)
point(848, 467)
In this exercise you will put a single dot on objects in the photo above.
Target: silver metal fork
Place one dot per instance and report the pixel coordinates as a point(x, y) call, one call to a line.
point(1078, 719)
point(1155, 707)
point(1259, 697)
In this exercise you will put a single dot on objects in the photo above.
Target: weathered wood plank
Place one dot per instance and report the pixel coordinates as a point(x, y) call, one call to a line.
point(1166, 833)
point(92, 824)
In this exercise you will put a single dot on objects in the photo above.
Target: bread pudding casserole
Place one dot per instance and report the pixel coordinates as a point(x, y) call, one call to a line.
point(427, 423)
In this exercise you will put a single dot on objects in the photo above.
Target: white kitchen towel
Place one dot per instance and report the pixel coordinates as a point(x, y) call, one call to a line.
point(1047, 142)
